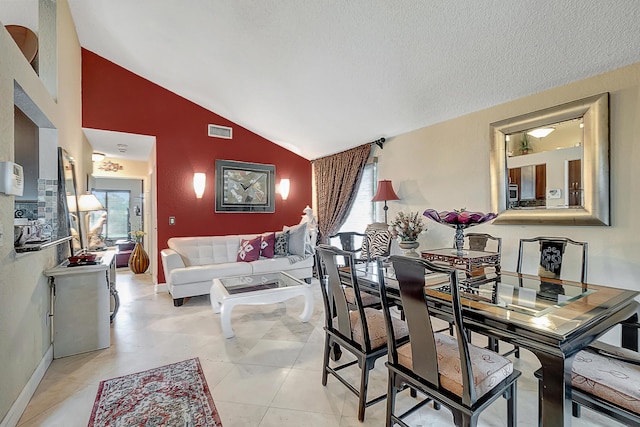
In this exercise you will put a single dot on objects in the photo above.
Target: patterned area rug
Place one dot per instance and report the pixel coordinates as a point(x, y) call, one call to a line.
point(171, 395)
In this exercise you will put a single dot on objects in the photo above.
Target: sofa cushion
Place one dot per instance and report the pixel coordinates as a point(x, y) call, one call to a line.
point(269, 265)
point(281, 246)
point(298, 237)
point(205, 250)
point(249, 249)
point(267, 245)
point(205, 273)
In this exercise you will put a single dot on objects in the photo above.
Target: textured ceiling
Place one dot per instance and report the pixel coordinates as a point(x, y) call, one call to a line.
point(320, 76)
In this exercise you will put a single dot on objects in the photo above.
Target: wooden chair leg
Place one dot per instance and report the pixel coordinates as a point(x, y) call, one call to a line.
point(391, 399)
point(512, 414)
point(575, 409)
point(325, 362)
point(362, 398)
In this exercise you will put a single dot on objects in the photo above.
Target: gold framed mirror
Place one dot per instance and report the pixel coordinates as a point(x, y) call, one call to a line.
point(561, 180)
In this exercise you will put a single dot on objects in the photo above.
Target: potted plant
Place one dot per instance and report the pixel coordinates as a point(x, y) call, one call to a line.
point(406, 228)
point(524, 144)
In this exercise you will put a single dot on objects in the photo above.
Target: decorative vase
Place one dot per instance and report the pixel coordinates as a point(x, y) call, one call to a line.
point(459, 239)
point(409, 247)
point(459, 220)
point(139, 260)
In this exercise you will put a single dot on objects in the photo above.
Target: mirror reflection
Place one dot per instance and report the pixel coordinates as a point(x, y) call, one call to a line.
point(551, 166)
point(545, 166)
point(70, 201)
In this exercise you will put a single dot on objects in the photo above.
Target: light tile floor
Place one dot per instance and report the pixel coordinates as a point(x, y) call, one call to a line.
point(268, 375)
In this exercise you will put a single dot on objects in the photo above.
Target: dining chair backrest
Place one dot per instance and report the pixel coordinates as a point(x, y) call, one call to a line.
point(339, 276)
point(410, 273)
point(377, 241)
point(548, 257)
point(350, 241)
point(482, 242)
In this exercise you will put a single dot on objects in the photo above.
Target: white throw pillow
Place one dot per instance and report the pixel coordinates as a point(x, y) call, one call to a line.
point(298, 239)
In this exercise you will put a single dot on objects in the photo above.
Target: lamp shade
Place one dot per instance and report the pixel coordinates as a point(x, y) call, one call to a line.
point(89, 202)
point(385, 192)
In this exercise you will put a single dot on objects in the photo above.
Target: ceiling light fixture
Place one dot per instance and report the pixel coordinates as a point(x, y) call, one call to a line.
point(97, 157)
point(541, 132)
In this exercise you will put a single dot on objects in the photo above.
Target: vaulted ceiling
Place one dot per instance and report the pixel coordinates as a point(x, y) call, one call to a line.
point(321, 76)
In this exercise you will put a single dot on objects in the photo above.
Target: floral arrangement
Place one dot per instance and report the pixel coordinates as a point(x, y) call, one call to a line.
point(137, 235)
point(407, 227)
point(461, 218)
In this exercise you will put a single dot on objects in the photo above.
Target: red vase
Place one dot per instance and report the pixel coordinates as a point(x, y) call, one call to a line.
point(139, 260)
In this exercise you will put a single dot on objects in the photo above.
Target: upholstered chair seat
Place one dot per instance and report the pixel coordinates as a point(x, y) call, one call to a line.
point(608, 378)
point(376, 327)
point(489, 368)
point(367, 298)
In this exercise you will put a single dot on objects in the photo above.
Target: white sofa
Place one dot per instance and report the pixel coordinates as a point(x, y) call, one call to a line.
point(191, 263)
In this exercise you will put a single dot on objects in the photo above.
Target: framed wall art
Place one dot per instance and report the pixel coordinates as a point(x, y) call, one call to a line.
point(245, 187)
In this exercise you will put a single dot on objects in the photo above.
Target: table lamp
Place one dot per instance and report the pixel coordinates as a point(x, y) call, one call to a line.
point(385, 192)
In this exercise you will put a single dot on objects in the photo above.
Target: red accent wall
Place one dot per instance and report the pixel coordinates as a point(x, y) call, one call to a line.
point(115, 99)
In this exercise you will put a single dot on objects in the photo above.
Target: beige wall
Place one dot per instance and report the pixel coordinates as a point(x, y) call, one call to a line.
point(24, 291)
point(446, 167)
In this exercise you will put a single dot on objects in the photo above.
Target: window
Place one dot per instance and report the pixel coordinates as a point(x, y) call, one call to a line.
point(117, 204)
point(362, 212)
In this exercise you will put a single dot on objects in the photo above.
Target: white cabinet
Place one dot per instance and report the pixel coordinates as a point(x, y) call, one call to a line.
point(82, 306)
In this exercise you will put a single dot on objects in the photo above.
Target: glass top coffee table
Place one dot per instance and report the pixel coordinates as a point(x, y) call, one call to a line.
point(257, 289)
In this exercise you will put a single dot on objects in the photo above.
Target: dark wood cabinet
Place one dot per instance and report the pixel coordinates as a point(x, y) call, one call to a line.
point(541, 182)
point(575, 182)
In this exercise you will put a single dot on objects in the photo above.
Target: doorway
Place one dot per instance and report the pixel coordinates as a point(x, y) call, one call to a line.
point(123, 199)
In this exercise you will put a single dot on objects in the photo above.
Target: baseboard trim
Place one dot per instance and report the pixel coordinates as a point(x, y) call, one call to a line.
point(18, 407)
point(160, 287)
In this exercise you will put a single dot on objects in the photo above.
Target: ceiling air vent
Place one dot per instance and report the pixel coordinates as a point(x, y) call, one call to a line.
point(220, 131)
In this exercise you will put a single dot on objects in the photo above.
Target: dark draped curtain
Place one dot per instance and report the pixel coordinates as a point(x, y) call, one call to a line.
point(337, 179)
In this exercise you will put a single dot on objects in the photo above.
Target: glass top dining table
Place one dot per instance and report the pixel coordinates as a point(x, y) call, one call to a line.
point(552, 318)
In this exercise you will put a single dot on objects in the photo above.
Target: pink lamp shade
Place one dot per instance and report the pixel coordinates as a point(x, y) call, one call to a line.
point(385, 192)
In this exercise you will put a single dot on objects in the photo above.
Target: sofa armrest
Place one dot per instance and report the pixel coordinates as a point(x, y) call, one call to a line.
point(170, 261)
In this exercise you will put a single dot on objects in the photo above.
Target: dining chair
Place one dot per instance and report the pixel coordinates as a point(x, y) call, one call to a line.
point(545, 257)
point(447, 369)
point(350, 241)
point(604, 378)
point(377, 242)
point(360, 330)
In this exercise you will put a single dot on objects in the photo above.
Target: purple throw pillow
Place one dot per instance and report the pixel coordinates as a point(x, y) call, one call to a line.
point(267, 245)
point(249, 250)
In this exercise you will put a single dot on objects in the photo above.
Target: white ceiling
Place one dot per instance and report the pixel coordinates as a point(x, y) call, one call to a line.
point(320, 76)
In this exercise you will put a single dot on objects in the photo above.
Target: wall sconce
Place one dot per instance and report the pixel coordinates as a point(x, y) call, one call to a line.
point(97, 157)
point(285, 185)
point(199, 181)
